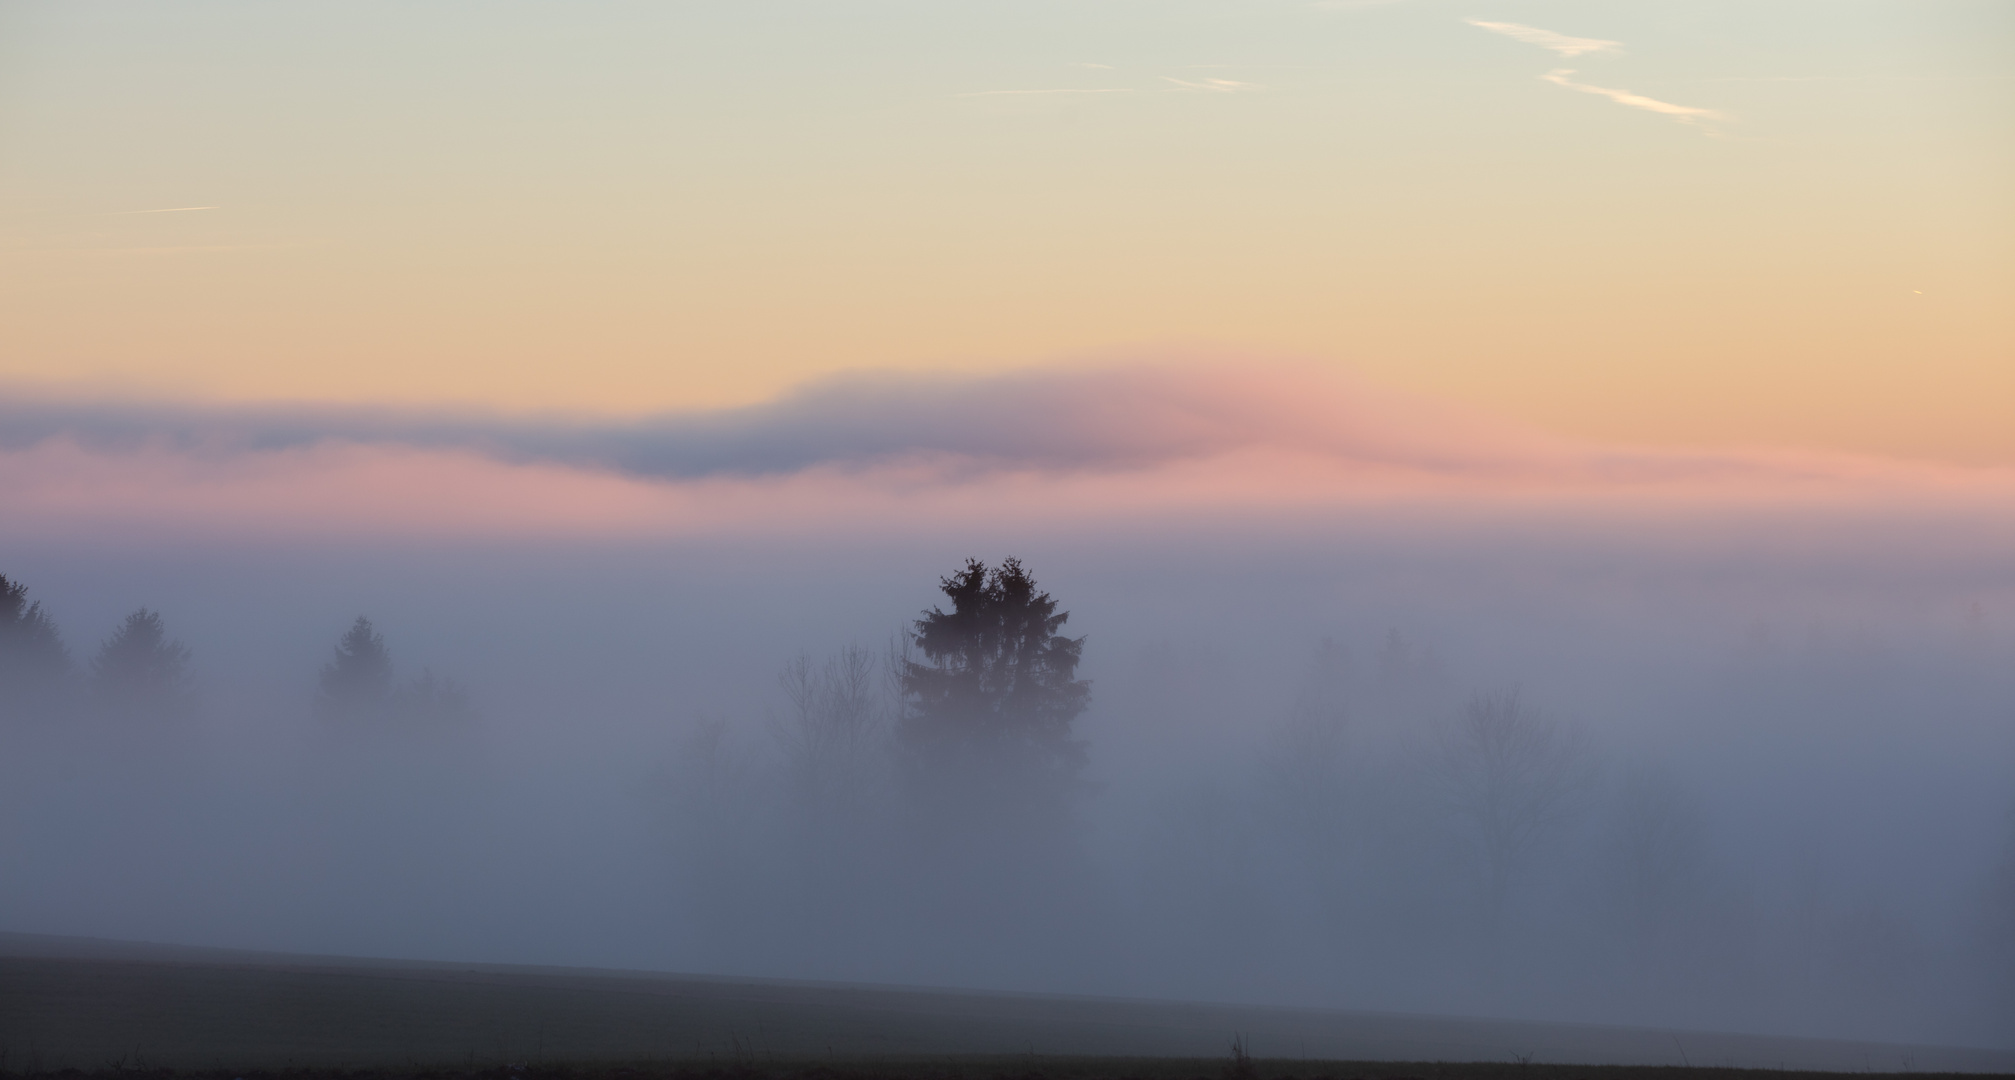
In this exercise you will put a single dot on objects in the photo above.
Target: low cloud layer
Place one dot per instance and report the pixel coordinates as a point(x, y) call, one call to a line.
point(1114, 418)
point(1094, 439)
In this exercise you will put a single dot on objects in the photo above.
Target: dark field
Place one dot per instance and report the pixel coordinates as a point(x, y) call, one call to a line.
point(105, 1007)
point(1008, 1067)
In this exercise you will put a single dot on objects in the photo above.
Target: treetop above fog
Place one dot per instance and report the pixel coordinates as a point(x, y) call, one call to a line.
point(995, 669)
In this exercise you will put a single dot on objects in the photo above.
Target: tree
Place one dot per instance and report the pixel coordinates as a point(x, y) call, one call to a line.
point(34, 665)
point(983, 736)
point(835, 714)
point(1998, 923)
point(1656, 851)
point(434, 701)
point(357, 684)
point(1510, 775)
point(1307, 762)
point(139, 672)
point(996, 685)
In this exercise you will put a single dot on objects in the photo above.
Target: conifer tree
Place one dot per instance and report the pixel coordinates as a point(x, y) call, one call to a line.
point(996, 682)
point(139, 672)
point(357, 684)
point(35, 671)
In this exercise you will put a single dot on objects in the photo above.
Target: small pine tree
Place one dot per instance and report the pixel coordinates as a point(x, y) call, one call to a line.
point(357, 684)
point(139, 672)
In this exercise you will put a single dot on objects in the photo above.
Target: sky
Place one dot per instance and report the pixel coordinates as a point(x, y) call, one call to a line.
point(1701, 224)
point(1335, 359)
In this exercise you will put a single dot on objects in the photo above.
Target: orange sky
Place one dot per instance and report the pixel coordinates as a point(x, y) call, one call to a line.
point(1803, 239)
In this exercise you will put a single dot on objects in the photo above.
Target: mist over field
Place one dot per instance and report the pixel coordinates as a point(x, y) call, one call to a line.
point(1501, 511)
point(1746, 769)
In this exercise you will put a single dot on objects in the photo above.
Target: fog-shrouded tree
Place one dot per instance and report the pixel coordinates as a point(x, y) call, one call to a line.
point(1998, 922)
point(991, 686)
point(139, 673)
point(357, 684)
point(35, 668)
point(992, 773)
point(433, 700)
point(710, 792)
point(358, 687)
point(1655, 852)
point(1306, 765)
point(1510, 777)
point(1404, 663)
point(830, 734)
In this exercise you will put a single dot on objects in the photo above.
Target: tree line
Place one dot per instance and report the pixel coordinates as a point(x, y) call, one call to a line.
point(141, 674)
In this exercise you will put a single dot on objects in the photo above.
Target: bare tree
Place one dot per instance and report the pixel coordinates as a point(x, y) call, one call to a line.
point(711, 802)
point(830, 734)
point(1510, 776)
point(1306, 764)
point(1998, 922)
point(1656, 849)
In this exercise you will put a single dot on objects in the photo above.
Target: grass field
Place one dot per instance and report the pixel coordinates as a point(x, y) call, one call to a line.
point(104, 1006)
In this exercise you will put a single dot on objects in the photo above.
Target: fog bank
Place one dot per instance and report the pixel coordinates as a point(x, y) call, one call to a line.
point(1759, 771)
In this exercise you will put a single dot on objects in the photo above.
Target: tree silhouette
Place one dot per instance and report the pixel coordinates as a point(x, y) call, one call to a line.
point(1998, 924)
point(34, 666)
point(997, 681)
point(1307, 765)
point(830, 734)
point(139, 672)
point(433, 700)
point(357, 684)
point(1511, 776)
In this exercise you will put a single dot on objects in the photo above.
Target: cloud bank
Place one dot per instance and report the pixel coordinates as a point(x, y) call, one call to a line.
point(1104, 419)
point(1089, 441)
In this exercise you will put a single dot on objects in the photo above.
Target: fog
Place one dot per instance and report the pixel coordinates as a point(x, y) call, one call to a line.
point(1759, 774)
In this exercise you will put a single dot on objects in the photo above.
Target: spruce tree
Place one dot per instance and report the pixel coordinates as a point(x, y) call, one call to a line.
point(35, 670)
point(140, 673)
point(357, 684)
point(996, 683)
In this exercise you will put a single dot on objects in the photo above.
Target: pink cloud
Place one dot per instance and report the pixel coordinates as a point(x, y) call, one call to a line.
point(1187, 442)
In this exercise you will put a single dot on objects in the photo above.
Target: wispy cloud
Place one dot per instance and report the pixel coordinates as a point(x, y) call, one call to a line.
point(1056, 90)
point(1220, 86)
point(1685, 114)
point(163, 210)
point(1566, 46)
point(1547, 39)
point(1089, 66)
